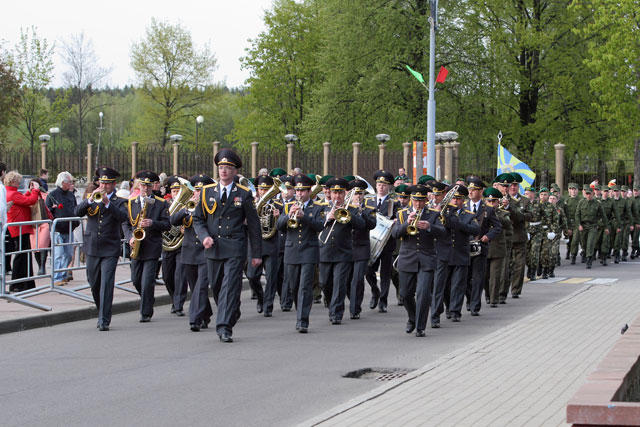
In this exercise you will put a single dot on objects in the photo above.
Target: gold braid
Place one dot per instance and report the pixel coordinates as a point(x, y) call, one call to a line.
point(134, 222)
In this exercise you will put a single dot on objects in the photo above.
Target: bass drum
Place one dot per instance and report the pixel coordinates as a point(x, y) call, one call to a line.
point(379, 236)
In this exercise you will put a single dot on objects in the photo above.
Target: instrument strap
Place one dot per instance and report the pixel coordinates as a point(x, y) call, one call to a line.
point(134, 222)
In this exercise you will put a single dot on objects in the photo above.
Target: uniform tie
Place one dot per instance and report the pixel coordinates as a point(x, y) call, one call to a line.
point(223, 199)
point(474, 208)
point(379, 204)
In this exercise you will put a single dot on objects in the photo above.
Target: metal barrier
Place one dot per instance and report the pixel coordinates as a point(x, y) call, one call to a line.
point(19, 297)
point(55, 246)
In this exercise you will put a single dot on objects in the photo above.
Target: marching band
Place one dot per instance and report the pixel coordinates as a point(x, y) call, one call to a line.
point(312, 236)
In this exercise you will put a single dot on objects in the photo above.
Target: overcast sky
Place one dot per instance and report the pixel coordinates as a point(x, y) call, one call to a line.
point(114, 25)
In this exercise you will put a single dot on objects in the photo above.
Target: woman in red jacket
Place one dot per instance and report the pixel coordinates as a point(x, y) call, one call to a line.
point(21, 211)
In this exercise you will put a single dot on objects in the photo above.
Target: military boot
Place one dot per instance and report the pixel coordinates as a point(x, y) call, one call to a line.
point(616, 257)
point(539, 270)
point(583, 258)
point(552, 272)
point(634, 251)
point(603, 261)
point(588, 261)
point(545, 274)
point(558, 260)
point(573, 260)
point(568, 253)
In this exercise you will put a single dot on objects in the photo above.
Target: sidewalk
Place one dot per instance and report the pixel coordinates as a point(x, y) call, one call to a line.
point(523, 374)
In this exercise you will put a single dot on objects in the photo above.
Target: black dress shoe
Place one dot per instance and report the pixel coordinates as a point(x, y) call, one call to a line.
point(475, 313)
point(494, 305)
point(373, 303)
point(145, 319)
point(195, 328)
point(355, 316)
point(410, 327)
point(455, 318)
point(268, 314)
point(180, 313)
point(226, 338)
point(515, 296)
point(435, 325)
point(173, 310)
point(448, 314)
point(420, 333)
point(502, 301)
point(205, 324)
point(317, 300)
point(336, 322)
point(382, 308)
point(302, 330)
point(103, 328)
point(286, 308)
point(400, 301)
point(259, 307)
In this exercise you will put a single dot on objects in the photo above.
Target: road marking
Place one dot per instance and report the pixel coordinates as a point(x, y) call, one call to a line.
point(601, 281)
point(577, 280)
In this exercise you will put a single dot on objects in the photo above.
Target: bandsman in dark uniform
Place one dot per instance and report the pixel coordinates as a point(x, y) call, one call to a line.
point(193, 260)
point(172, 270)
point(462, 226)
point(361, 247)
point(336, 247)
point(150, 213)
point(403, 203)
point(225, 219)
point(270, 250)
point(301, 222)
point(284, 289)
point(102, 245)
point(490, 228)
point(387, 207)
point(417, 228)
point(442, 282)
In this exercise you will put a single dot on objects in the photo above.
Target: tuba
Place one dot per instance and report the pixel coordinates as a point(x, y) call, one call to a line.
point(138, 233)
point(172, 239)
point(265, 211)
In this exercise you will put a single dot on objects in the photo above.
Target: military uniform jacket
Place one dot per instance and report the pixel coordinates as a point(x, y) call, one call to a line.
point(271, 246)
point(570, 207)
point(489, 224)
point(158, 212)
point(519, 216)
point(388, 208)
point(589, 212)
point(498, 245)
point(228, 225)
point(339, 246)
point(418, 253)
point(610, 213)
point(550, 219)
point(282, 235)
point(192, 251)
point(636, 209)
point(361, 242)
point(629, 207)
point(102, 235)
point(620, 208)
point(462, 226)
point(301, 244)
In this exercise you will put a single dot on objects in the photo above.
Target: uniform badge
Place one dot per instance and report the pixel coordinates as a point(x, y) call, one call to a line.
point(237, 201)
point(211, 199)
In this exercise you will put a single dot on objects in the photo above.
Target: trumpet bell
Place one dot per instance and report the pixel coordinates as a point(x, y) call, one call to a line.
point(96, 197)
point(292, 223)
point(191, 206)
point(342, 215)
point(412, 230)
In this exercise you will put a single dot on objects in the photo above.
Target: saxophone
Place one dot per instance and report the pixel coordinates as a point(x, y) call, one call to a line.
point(138, 233)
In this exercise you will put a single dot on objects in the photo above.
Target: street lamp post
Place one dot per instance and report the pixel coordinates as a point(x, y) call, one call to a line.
point(43, 150)
point(383, 138)
point(431, 105)
point(100, 128)
point(176, 143)
point(54, 132)
point(199, 121)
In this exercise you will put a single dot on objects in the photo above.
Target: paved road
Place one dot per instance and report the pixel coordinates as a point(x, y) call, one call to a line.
point(162, 374)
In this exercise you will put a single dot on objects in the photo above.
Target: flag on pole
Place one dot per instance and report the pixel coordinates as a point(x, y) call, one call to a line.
point(507, 162)
point(416, 74)
point(442, 75)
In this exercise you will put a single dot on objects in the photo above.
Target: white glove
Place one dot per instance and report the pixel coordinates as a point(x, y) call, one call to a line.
point(551, 235)
point(528, 236)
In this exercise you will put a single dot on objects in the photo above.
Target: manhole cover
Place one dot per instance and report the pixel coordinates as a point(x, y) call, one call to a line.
point(378, 374)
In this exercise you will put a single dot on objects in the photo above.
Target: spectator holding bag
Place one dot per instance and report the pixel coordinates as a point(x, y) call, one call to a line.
point(42, 237)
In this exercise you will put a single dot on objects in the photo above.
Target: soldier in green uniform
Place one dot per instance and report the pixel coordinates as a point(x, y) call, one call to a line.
point(571, 205)
point(587, 214)
point(604, 238)
point(519, 214)
point(635, 247)
point(550, 224)
point(628, 225)
point(563, 228)
point(620, 206)
point(535, 235)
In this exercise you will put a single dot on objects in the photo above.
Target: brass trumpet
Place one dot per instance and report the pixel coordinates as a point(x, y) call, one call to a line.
point(190, 206)
point(293, 221)
point(96, 197)
point(412, 229)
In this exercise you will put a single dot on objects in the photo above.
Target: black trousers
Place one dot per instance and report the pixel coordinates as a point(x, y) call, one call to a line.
point(416, 290)
point(169, 262)
point(270, 266)
point(333, 278)
point(441, 290)
point(143, 276)
point(385, 263)
point(476, 281)
point(283, 287)
point(22, 264)
point(356, 293)
point(200, 309)
point(181, 287)
point(301, 280)
point(101, 275)
point(225, 277)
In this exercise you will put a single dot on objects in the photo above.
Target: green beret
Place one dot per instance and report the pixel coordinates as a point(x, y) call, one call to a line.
point(325, 178)
point(425, 178)
point(277, 172)
point(492, 193)
point(530, 189)
point(401, 190)
point(349, 178)
point(516, 177)
point(504, 179)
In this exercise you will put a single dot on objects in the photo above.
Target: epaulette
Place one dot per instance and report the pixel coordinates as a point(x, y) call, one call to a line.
point(160, 199)
point(468, 211)
point(209, 186)
point(319, 203)
point(276, 202)
point(243, 187)
point(370, 203)
point(401, 215)
point(354, 206)
point(434, 210)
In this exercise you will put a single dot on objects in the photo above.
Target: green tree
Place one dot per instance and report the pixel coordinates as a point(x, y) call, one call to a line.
point(283, 64)
point(613, 57)
point(9, 95)
point(173, 74)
